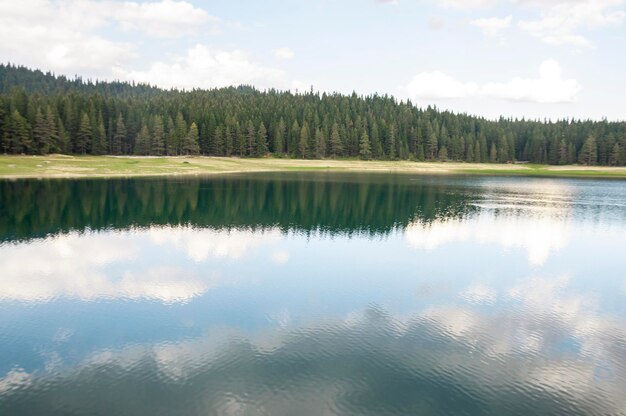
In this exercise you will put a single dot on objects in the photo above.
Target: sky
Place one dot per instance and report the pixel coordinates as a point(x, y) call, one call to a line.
point(517, 58)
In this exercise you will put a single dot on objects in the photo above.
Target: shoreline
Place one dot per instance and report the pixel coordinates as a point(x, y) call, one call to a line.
point(73, 167)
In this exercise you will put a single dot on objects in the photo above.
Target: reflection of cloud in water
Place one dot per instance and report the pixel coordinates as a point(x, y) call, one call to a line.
point(200, 244)
point(448, 360)
point(479, 293)
point(538, 236)
point(106, 265)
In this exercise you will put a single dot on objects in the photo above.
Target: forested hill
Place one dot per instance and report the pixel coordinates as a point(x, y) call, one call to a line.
point(41, 113)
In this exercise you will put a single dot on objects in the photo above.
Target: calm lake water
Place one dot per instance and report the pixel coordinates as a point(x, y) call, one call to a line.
point(313, 294)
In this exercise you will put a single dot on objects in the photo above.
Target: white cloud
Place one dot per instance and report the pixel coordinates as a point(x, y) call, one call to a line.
point(284, 53)
point(67, 37)
point(206, 67)
point(467, 4)
point(438, 85)
point(58, 36)
point(549, 87)
point(166, 18)
point(492, 26)
point(560, 20)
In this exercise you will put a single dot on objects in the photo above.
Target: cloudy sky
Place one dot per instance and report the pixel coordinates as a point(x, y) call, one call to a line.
point(531, 58)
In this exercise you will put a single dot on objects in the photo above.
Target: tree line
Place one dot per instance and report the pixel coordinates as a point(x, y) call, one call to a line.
point(41, 113)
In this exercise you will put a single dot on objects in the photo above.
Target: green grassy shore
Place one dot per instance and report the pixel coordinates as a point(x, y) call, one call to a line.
point(62, 166)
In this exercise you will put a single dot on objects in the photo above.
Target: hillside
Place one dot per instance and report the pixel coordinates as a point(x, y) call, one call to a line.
point(41, 113)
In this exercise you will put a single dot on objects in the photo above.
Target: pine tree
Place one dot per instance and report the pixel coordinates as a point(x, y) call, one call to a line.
point(41, 134)
point(320, 144)
point(216, 142)
point(157, 144)
point(17, 134)
point(563, 158)
point(303, 147)
point(228, 141)
point(279, 137)
point(99, 137)
point(365, 150)
point(336, 147)
point(251, 138)
point(84, 135)
point(432, 143)
point(181, 132)
point(493, 153)
point(119, 137)
point(190, 144)
point(614, 158)
point(261, 145)
point(53, 131)
point(589, 151)
point(294, 138)
point(443, 154)
point(142, 141)
point(391, 142)
point(420, 153)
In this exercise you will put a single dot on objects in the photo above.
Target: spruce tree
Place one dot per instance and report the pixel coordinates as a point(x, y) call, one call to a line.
point(119, 137)
point(157, 144)
point(261, 145)
point(589, 151)
point(336, 147)
point(99, 138)
point(228, 141)
point(365, 150)
point(41, 134)
point(190, 144)
point(251, 138)
point(84, 135)
point(303, 147)
point(320, 144)
point(615, 155)
point(142, 141)
point(279, 138)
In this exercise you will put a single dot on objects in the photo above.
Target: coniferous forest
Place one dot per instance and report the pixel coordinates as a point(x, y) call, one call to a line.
point(41, 113)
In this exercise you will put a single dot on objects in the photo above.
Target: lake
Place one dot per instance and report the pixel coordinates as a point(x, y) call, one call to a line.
point(313, 294)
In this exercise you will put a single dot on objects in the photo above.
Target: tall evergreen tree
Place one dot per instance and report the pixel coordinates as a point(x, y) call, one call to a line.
point(99, 137)
point(84, 135)
point(261, 145)
point(589, 152)
point(365, 150)
point(157, 144)
point(119, 137)
point(336, 147)
point(320, 144)
point(303, 148)
point(41, 134)
point(190, 144)
point(142, 141)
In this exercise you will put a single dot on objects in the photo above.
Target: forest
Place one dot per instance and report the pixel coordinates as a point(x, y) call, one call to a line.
point(42, 113)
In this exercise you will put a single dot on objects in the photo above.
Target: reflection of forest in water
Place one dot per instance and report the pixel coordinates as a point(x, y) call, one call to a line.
point(343, 203)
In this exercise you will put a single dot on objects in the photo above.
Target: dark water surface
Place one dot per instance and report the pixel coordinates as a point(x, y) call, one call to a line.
point(313, 294)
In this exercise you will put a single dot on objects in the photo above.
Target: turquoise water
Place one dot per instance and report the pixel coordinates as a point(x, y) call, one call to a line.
point(298, 294)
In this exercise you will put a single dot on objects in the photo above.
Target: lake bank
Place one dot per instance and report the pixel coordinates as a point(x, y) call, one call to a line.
point(63, 166)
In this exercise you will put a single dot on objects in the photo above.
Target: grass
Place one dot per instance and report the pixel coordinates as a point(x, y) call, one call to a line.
point(62, 166)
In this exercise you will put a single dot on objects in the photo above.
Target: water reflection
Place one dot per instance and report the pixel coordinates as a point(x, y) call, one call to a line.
point(313, 294)
point(450, 360)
